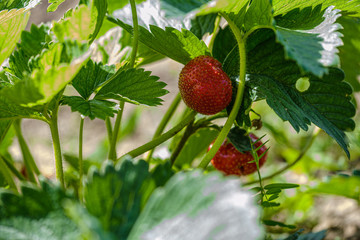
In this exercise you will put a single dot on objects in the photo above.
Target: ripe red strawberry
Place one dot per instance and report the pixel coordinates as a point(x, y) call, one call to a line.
point(204, 86)
point(232, 162)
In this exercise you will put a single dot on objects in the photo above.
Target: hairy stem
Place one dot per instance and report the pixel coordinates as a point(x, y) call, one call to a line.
point(239, 95)
point(164, 121)
point(109, 129)
point(216, 27)
point(162, 138)
point(29, 162)
point(188, 132)
point(57, 147)
point(299, 157)
point(135, 33)
point(114, 137)
point(81, 164)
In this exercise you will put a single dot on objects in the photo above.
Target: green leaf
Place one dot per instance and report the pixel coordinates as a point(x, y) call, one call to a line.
point(350, 51)
point(34, 203)
point(276, 223)
point(90, 77)
point(135, 86)
point(221, 50)
point(73, 161)
point(281, 186)
point(55, 226)
point(195, 145)
point(11, 4)
point(79, 26)
point(228, 6)
point(313, 49)
point(118, 4)
point(196, 206)
point(258, 13)
point(98, 12)
point(352, 8)
point(239, 139)
point(9, 110)
point(179, 8)
point(54, 4)
point(203, 24)
point(4, 128)
point(11, 24)
point(326, 103)
point(339, 185)
point(114, 195)
point(179, 46)
point(47, 80)
point(92, 108)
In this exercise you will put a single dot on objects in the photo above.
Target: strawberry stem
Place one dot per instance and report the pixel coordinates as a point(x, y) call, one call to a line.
point(239, 95)
point(164, 121)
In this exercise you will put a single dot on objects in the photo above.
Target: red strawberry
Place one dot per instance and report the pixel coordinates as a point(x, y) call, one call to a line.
point(204, 86)
point(232, 162)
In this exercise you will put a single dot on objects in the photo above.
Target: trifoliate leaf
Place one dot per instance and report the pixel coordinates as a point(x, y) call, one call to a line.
point(350, 51)
point(54, 4)
point(326, 103)
point(45, 82)
point(55, 226)
point(11, 24)
point(213, 207)
point(258, 13)
point(114, 195)
point(79, 26)
point(352, 8)
point(90, 77)
point(134, 86)
point(203, 24)
point(92, 108)
point(179, 46)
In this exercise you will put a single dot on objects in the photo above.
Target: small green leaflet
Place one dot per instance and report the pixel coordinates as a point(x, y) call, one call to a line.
point(4, 127)
point(350, 7)
point(258, 13)
point(217, 205)
point(181, 46)
point(98, 12)
point(91, 108)
point(54, 4)
point(203, 24)
point(9, 110)
point(228, 6)
point(79, 26)
point(135, 86)
point(11, 24)
point(179, 8)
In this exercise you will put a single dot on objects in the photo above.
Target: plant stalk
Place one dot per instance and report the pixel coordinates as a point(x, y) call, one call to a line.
point(29, 162)
point(114, 138)
point(57, 146)
point(81, 163)
point(164, 121)
point(239, 96)
point(7, 175)
point(162, 138)
point(13, 169)
point(188, 132)
point(109, 129)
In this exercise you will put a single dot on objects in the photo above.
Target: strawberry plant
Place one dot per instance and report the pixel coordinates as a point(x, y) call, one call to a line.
point(285, 70)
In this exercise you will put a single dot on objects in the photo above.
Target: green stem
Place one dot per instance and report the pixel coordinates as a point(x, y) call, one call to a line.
point(109, 128)
point(57, 147)
point(239, 95)
point(164, 121)
point(162, 138)
point(11, 167)
point(216, 27)
point(114, 138)
point(253, 29)
point(135, 33)
point(29, 161)
point(188, 132)
point(81, 163)
point(7, 175)
point(300, 156)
